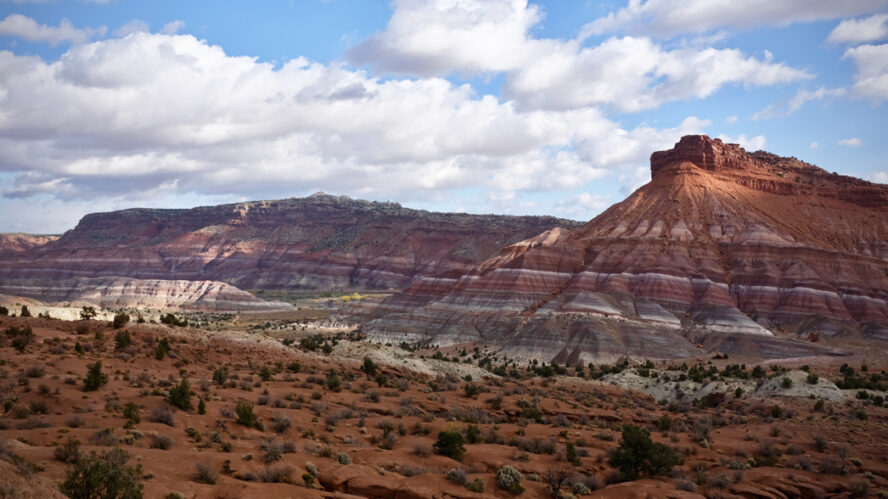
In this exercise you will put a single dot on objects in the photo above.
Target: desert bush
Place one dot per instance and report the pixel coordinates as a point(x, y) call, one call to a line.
point(105, 438)
point(204, 473)
point(508, 478)
point(172, 320)
point(35, 372)
point(163, 414)
point(638, 454)
point(422, 450)
point(131, 413)
point(94, 377)
point(343, 458)
point(159, 441)
point(280, 423)
point(477, 485)
point(458, 476)
point(180, 395)
point(68, 452)
point(450, 444)
point(245, 414)
point(103, 476)
point(122, 339)
point(276, 474)
point(120, 320)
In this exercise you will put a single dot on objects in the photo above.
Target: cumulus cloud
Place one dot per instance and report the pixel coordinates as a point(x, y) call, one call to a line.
point(814, 145)
point(783, 109)
point(852, 142)
point(668, 18)
point(436, 37)
point(871, 78)
point(868, 29)
point(583, 206)
point(432, 37)
point(134, 26)
point(173, 27)
point(755, 143)
point(174, 114)
point(24, 27)
point(634, 74)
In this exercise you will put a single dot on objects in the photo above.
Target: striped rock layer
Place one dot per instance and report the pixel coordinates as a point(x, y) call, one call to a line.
point(723, 250)
point(317, 243)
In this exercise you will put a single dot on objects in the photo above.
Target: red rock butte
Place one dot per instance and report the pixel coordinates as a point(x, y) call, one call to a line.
point(724, 250)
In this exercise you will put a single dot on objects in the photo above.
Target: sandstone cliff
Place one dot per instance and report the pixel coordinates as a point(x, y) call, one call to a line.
point(721, 250)
point(319, 242)
point(17, 241)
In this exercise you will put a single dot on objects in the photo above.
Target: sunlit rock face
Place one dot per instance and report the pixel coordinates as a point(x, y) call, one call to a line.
point(317, 243)
point(723, 249)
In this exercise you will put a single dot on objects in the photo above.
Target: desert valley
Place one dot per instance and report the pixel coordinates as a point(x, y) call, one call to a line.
point(444, 249)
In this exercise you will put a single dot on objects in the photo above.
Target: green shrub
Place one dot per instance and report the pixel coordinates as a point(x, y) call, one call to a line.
point(244, 413)
point(122, 339)
point(162, 349)
point(120, 320)
point(172, 320)
point(369, 367)
point(813, 379)
point(131, 413)
point(25, 311)
point(334, 384)
point(87, 313)
point(180, 395)
point(220, 375)
point(450, 444)
point(101, 477)
point(94, 377)
point(638, 454)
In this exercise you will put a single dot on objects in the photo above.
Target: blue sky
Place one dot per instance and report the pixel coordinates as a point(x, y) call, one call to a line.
point(485, 106)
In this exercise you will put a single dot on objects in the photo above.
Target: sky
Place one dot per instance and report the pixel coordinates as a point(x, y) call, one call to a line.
point(480, 106)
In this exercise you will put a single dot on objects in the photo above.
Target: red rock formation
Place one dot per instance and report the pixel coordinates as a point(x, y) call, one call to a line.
point(18, 242)
point(319, 242)
point(719, 243)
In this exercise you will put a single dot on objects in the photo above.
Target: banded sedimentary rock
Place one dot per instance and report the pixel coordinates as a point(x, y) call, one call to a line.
point(317, 243)
point(124, 292)
point(721, 250)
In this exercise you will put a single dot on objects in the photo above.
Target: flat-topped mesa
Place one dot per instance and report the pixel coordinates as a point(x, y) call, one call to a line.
point(707, 153)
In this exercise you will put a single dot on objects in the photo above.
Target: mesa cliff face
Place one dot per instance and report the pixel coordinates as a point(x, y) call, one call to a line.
point(720, 251)
point(319, 242)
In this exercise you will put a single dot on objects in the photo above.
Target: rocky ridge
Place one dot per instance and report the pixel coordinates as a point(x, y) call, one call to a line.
point(723, 250)
point(320, 242)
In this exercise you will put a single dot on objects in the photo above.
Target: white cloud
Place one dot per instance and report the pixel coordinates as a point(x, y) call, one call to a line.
point(433, 37)
point(783, 109)
point(24, 27)
point(173, 27)
point(814, 145)
point(871, 78)
point(437, 37)
point(756, 143)
point(134, 26)
point(732, 119)
point(634, 74)
point(852, 142)
point(177, 115)
point(668, 18)
point(868, 29)
point(583, 206)
point(879, 177)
